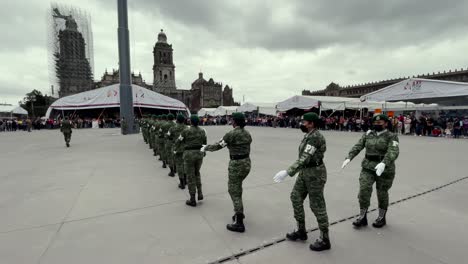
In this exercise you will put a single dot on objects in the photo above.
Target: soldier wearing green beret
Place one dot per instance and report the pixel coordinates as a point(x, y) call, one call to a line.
point(238, 142)
point(144, 130)
point(191, 140)
point(378, 166)
point(151, 132)
point(177, 152)
point(310, 181)
point(161, 141)
point(168, 144)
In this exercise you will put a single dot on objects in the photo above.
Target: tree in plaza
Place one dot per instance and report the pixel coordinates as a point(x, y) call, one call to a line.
point(36, 103)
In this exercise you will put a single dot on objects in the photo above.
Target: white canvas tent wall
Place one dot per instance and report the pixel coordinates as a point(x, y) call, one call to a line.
point(262, 108)
point(207, 111)
point(225, 110)
point(10, 110)
point(108, 97)
point(422, 91)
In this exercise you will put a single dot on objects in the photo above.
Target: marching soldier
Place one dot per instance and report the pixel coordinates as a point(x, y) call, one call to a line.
point(192, 140)
point(160, 135)
point(168, 144)
point(144, 129)
point(66, 129)
point(177, 151)
point(310, 181)
point(238, 142)
point(382, 149)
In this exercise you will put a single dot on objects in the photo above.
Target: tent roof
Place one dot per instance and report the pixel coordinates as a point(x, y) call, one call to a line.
point(108, 97)
point(422, 91)
point(13, 109)
point(225, 110)
point(206, 111)
point(263, 108)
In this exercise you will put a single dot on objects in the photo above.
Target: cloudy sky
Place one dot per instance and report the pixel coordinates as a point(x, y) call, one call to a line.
point(267, 50)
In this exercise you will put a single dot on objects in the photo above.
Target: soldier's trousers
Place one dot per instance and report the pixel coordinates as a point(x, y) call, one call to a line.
point(67, 137)
point(383, 184)
point(168, 153)
point(145, 136)
point(193, 160)
point(238, 171)
point(310, 181)
point(179, 164)
point(160, 147)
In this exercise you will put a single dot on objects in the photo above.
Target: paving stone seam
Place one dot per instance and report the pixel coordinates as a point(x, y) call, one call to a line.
point(237, 256)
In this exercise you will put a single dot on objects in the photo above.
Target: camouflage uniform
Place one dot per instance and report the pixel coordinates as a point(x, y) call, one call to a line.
point(238, 142)
point(143, 129)
point(177, 157)
point(66, 129)
point(310, 181)
point(380, 147)
point(160, 139)
point(168, 144)
point(191, 140)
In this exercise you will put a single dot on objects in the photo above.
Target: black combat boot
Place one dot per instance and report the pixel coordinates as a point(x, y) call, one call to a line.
point(299, 234)
point(171, 173)
point(200, 194)
point(164, 165)
point(68, 145)
point(238, 225)
point(380, 221)
point(362, 219)
point(181, 183)
point(323, 243)
point(154, 152)
point(192, 201)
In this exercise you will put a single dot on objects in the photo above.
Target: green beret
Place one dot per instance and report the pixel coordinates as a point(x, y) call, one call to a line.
point(238, 115)
point(170, 116)
point(194, 118)
point(180, 118)
point(380, 117)
point(164, 116)
point(310, 117)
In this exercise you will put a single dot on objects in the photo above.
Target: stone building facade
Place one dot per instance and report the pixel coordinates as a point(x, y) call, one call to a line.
point(359, 90)
point(109, 78)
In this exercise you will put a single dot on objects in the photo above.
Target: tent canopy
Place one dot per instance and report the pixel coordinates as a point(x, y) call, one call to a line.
point(342, 103)
point(225, 110)
point(207, 111)
point(262, 108)
point(108, 97)
point(422, 91)
point(16, 110)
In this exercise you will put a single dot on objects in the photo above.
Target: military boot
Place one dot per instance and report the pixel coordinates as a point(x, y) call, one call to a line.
point(181, 183)
point(362, 219)
point(171, 174)
point(299, 234)
point(323, 243)
point(380, 221)
point(68, 145)
point(200, 194)
point(238, 224)
point(164, 165)
point(192, 201)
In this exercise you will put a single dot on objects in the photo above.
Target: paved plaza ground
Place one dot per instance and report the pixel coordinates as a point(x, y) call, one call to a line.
point(107, 200)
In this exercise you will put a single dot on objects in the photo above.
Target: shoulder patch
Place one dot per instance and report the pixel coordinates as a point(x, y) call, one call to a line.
point(310, 149)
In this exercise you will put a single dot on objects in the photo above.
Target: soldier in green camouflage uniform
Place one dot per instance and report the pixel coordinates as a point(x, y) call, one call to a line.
point(160, 134)
point(238, 142)
point(168, 143)
point(66, 129)
point(378, 166)
point(144, 130)
point(192, 139)
point(156, 126)
point(310, 181)
point(177, 151)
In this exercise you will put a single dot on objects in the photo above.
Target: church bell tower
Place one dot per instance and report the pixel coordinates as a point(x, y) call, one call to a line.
point(163, 68)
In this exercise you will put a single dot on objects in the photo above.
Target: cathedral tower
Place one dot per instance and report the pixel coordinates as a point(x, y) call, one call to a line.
point(163, 68)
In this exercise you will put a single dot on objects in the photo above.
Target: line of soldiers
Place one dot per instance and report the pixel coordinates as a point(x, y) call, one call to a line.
point(183, 148)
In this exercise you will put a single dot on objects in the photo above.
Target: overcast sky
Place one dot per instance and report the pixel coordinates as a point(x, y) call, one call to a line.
point(267, 50)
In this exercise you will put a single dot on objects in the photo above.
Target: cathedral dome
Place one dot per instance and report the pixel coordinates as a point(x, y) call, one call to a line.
point(162, 38)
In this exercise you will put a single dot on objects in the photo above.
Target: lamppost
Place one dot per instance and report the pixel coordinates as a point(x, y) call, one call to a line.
point(32, 99)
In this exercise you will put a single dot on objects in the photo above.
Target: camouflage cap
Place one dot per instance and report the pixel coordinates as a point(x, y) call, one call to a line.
point(180, 118)
point(380, 117)
point(312, 117)
point(170, 116)
point(194, 118)
point(238, 115)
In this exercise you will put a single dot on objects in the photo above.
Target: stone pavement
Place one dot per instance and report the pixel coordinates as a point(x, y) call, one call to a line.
point(107, 200)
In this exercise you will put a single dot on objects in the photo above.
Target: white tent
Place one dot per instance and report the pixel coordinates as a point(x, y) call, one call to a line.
point(108, 97)
point(225, 110)
point(13, 110)
point(262, 108)
point(207, 111)
point(422, 91)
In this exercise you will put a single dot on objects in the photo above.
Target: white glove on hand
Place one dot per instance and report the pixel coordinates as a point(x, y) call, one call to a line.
point(203, 148)
point(345, 163)
point(379, 169)
point(280, 176)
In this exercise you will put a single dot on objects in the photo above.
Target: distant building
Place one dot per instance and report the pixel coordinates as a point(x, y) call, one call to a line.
point(114, 78)
point(359, 90)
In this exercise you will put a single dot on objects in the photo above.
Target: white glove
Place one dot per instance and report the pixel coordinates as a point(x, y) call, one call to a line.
point(345, 163)
point(203, 148)
point(175, 152)
point(379, 169)
point(280, 176)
